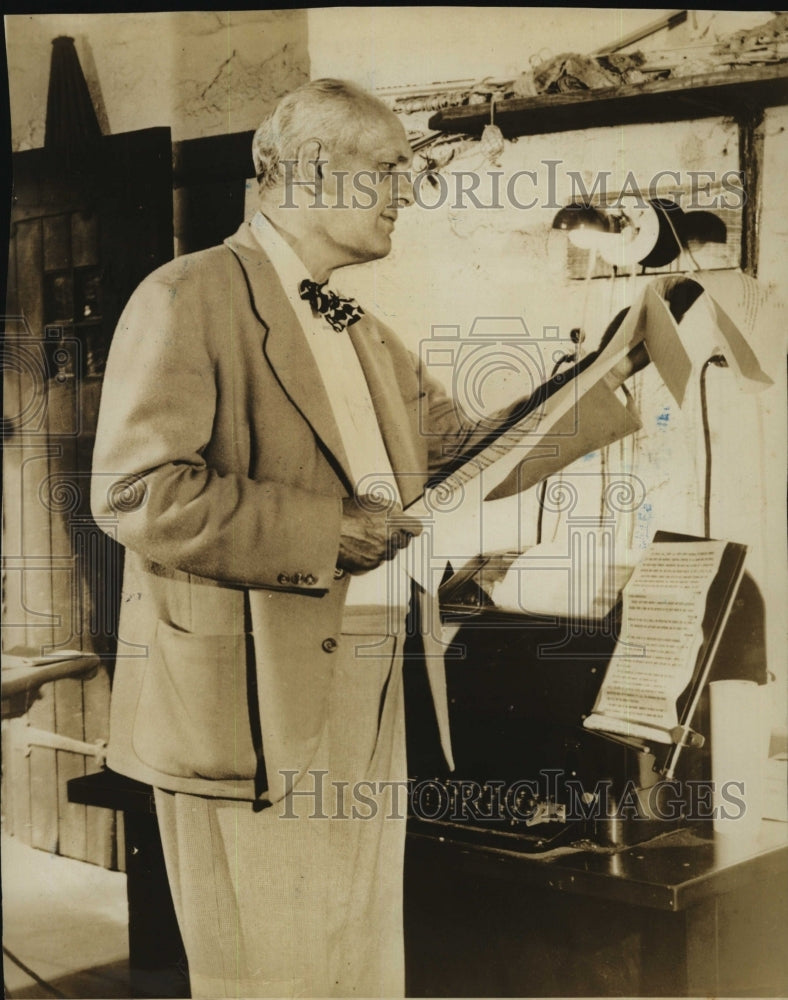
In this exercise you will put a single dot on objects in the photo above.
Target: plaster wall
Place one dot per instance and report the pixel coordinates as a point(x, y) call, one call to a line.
point(455, 265)
point(200, 72)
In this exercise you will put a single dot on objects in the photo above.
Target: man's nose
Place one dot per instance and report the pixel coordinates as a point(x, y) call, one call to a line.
point(401, 189)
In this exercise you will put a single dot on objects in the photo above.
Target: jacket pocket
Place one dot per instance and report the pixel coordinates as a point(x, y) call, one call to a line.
point(192, 720)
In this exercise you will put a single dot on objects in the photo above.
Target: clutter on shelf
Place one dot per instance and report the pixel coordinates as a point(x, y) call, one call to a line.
point(564, 73)
point(570, 71)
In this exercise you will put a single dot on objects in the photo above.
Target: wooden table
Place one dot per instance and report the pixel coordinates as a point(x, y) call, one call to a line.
point(682, 915)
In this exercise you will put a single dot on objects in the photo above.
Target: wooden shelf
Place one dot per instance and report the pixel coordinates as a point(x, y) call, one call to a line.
point(730, 93)
point(21, 680)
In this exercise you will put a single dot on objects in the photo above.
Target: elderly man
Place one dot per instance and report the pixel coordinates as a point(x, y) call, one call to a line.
point(244, 407)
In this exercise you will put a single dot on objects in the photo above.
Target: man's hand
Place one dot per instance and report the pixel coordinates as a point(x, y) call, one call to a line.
point(635, 361)
point(372, 532)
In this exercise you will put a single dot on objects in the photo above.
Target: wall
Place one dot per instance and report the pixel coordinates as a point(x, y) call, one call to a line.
point(393, 46)
point(200, 72)
point(451, 266)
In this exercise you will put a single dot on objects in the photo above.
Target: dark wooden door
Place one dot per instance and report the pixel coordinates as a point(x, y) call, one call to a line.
point(81, 239)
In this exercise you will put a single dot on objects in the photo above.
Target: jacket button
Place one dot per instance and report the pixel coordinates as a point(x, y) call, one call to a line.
point(310, 580)
point(338, 573)
point(329, 644)
point(297, 578)
point(283, 578)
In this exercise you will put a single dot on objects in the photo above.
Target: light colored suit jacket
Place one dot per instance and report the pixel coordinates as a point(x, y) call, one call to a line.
point(220, 468)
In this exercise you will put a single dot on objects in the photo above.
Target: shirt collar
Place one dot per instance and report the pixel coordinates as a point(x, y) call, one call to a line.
point(287, 264)
point(290, 270)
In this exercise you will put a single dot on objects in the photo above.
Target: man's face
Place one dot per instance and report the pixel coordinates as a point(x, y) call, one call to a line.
point(363, 189)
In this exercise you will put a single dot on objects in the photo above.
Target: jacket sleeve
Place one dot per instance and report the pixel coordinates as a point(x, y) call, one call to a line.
point(155, 490)
point(446, 428)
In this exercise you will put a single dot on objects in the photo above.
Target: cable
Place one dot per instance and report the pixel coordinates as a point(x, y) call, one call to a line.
point(683, 248)
point(36, 979)
point(540, 504)
point(577, 336)
point(719, 362)
point(630, 441)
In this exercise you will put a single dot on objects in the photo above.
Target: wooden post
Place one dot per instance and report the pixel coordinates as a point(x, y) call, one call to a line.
point(751, 144)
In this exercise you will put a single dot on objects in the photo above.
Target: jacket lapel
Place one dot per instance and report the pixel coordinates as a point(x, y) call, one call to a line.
point(286, 349)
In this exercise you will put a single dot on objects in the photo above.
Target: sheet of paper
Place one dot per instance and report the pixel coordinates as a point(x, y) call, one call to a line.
point(453, 511)
point(598, 419)
point(661, 634)
point(668, 343)
point(495, 463)
point(548, 579)
point(739, 354)
point(663, 341)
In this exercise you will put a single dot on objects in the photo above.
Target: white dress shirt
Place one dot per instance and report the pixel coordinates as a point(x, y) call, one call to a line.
point(351, 404)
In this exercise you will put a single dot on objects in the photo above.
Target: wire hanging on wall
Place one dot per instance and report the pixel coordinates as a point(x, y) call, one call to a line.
point(718, 361)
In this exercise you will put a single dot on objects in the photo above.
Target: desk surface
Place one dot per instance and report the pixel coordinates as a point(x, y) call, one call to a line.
point(671, 872)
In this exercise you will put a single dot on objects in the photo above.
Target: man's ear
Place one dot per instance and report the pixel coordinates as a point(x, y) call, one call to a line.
point(309, 163)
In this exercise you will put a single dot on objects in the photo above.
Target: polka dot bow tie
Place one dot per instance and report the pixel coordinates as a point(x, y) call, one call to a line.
point(340, 313)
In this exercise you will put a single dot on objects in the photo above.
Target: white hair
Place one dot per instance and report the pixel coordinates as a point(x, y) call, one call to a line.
point(334, 111)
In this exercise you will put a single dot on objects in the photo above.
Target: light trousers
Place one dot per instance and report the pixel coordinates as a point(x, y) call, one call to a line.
point(304, 898)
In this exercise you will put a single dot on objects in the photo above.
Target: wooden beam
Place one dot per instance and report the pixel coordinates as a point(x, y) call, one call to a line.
point(731, 92)
point(751, 146)
point(674, 18)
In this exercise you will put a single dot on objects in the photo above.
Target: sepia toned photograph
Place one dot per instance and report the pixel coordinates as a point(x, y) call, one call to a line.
point(395, 458)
